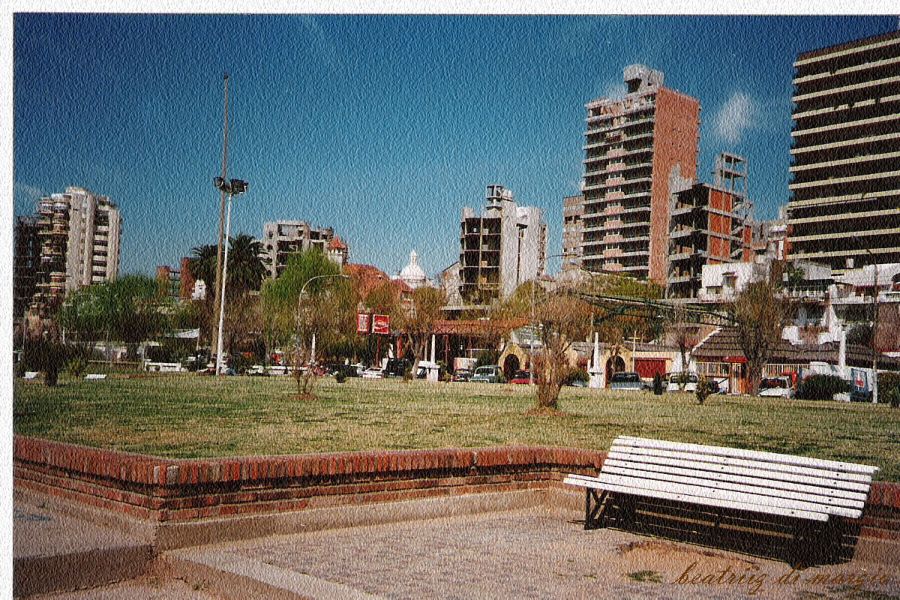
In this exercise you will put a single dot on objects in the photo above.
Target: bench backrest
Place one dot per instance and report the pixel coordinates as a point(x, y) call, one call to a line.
point(795, 483)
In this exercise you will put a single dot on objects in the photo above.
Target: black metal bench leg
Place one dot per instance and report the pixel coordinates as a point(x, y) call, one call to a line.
point(594, 511)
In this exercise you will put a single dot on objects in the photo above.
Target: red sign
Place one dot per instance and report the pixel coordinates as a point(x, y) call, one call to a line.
point(363, 322)
point(381, 324)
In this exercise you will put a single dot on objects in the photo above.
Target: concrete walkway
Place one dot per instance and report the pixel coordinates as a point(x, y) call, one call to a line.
point(56, 549)
point(516, 554)
point(523, 553)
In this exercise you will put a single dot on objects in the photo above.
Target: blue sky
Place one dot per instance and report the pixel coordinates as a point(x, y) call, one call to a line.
point(382, 127)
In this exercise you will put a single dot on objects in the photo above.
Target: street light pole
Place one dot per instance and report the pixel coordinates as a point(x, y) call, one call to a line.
point(874, 327)
point(231, 188)
point(218, 294)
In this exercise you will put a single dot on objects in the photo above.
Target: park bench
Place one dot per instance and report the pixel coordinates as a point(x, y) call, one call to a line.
point(814, 497)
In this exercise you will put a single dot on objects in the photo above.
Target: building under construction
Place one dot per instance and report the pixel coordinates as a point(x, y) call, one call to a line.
point(633, 147)
point(709, 224)
point(503, 247)
point(573, 211)
point(845, 205)
point(79, 235)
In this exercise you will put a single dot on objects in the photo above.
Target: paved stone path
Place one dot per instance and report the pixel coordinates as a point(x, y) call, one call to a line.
point(539, 554)
point(533, 553)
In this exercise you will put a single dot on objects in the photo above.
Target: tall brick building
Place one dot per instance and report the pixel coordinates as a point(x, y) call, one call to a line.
point(634, 147)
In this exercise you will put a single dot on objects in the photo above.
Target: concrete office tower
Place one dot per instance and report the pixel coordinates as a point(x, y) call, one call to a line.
point(844, 209)
point(283, 238)
point(573, 211)
point(505, 246)
point(80, 235)
point(633, 146)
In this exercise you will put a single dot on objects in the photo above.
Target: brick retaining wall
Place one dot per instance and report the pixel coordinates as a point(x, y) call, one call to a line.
point(176, 490)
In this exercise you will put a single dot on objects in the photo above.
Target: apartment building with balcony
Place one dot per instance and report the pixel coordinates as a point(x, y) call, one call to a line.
point(633, 148)
point(501, 248)
point(844, 209)
point(79, 234)
point(573, 211)
point(281, 239)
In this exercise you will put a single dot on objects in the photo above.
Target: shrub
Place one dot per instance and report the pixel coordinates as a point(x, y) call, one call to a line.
point(77, 366)
point(658, 384)
point(705, 387)
point(889, 388)
point(46, 356)
point(486, 357)
point(821, 387)
point(240, 363)
point(574, 375)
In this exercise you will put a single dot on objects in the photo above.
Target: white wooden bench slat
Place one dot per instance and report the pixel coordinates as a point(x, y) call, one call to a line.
point(786, 459)
point(836, 506)
point(717, 502)
point(811, 485)
point(749, 501)
point(777, 470)
point(824, 485)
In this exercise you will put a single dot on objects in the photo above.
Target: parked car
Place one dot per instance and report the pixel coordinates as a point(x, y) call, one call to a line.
point(677, 380)
point(521, 377)
point(488, 374)
point(626, 381)
point(373, 373)
point(462, 375)
point(396, 367)
point(776, 387)
point(257, 370)
point(580, 383)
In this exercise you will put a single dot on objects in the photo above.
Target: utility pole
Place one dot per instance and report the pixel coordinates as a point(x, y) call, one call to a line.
point(223, 193)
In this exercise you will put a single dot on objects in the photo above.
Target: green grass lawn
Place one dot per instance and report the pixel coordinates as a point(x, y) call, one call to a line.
point(185, 416)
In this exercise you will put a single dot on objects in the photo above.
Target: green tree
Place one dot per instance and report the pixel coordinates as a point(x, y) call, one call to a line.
point(562, 319)
point(416, 321)
point(246, 266)
point(127, 309)
point(327, 309)
point(759, 316)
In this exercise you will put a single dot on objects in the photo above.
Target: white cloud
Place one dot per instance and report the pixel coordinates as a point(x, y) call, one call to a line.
point(29, 191)
point(735, 117)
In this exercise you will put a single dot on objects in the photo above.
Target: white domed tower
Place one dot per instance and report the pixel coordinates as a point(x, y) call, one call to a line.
point(412, 274)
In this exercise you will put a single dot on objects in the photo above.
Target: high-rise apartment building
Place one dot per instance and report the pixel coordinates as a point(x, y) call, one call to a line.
point(80, 234)
point(283, 238)
point(844, 209)
point(573, 211)
point(505, 246)
point(708, 225)
point(633, 146)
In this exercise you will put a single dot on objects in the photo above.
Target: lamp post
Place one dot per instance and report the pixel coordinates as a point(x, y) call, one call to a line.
point(230, 188)
point(222, 195)
point(874, 326)
point(300, 302)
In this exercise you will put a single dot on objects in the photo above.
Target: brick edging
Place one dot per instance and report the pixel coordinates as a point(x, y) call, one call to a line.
point(162, 489)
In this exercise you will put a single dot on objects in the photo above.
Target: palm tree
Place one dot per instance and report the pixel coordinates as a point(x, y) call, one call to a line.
point(246, 267)
point(203, 264)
